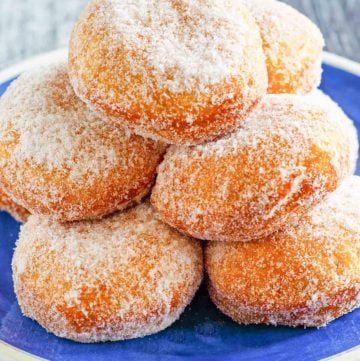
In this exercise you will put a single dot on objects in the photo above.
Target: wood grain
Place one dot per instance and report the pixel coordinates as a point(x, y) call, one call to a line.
point(30, 27)
point(339, 20)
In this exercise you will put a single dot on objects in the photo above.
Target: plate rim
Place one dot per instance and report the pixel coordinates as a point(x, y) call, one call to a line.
point(12, 353)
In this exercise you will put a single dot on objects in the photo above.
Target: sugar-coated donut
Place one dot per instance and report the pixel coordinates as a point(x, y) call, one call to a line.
point(292, 45)
point(176, 71)
point(125, 276)
point(291, 152)
point(306, 275)
point(348, 124)
point(60, 159)
point(8, 205)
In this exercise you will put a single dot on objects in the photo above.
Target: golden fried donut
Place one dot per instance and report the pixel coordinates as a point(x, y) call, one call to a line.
point(60, 159)
point(8, 205)
point(176, 71)
point(291, 152)
point(348, 124)
point(125, 276)
point(292, 45)
point(306, 275)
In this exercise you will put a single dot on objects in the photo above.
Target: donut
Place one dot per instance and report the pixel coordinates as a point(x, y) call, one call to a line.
point(183, 72)
point(9, 206)
point(288, 154)
point(121, 277)
point(348, 124)
point(60, 159)
point(292, 45)
point(306, 275)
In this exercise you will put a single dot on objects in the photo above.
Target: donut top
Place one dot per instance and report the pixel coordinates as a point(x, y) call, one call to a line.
point(305, 266)
point(283, 130)
point(294, 118)
point(339, 212)
point(185, 45)
point(131, 261)
point(48, 126)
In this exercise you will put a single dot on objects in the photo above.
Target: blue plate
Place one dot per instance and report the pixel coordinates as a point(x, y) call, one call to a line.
point(202, 333)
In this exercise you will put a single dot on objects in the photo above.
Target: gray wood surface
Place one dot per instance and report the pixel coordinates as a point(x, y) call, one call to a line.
point(30, 27)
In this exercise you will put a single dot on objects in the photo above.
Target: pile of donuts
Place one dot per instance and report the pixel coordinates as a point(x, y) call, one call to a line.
point(172, 122)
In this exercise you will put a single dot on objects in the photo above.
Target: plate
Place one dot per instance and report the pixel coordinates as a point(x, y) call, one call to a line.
point(202, 333)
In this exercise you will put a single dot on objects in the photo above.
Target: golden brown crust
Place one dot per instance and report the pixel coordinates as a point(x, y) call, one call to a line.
point(8, 205)
point(292, 45)
point(170, 102)
point(122, 277)
point(60, 159)
point(338, 305)
point(290, 153)
point(304, 275)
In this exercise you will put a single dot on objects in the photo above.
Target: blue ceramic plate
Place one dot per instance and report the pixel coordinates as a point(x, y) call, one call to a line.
point(202, 333)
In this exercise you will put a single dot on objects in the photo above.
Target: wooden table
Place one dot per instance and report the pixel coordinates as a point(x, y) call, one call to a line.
point(29, 27)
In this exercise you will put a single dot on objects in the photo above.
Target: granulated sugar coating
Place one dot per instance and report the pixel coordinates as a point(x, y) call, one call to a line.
point(8, 205)
point(292, 44)
point(61, 159)
point(287, 155)
point(125, 276)
point(179, 71)
point(305, 275)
